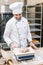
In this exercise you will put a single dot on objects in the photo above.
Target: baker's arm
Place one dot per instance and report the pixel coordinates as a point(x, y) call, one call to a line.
point(33, 46)
point(30, 38)
point(6, 35)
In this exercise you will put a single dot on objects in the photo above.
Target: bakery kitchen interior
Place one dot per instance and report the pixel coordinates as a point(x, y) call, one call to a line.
point(21, 32)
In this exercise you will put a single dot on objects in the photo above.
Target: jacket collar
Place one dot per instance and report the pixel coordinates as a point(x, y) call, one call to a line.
point(16, 21)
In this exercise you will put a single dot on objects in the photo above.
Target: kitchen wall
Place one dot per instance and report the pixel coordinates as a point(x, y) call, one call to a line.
point(29, 2)
point(1, 2)
point(33, 2)
point(10, 1)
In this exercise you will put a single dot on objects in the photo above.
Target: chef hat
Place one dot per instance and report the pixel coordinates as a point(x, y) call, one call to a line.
point(16, 7)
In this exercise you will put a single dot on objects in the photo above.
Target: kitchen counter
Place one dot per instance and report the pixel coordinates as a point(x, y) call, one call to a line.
point(38, 60)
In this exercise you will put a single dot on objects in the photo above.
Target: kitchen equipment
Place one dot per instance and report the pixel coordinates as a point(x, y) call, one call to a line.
point(7, 57)
point(24, 55)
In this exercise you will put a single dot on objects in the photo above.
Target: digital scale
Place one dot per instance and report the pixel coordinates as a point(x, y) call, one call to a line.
point(24, 56)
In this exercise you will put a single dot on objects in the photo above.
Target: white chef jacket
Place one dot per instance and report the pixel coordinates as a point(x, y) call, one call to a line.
point(17, 32)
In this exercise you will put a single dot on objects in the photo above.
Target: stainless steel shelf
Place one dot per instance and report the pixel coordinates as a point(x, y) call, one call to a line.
point(35, 29)
point(33, 12)
point(36, 36)
point(33, 18)
point(37, 43)
point(32, 24)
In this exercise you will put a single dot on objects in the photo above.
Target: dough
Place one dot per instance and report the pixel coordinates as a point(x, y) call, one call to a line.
point(24, 50)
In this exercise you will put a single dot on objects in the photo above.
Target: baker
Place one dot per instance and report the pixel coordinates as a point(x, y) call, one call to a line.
point(17, 30)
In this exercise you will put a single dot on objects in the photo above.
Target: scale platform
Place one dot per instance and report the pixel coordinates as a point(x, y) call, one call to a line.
point(24, 56)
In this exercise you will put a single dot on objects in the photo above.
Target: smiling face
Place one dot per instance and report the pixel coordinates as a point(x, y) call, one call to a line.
point(18, 16)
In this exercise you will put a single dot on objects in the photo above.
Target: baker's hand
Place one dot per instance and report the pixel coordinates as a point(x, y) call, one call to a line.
point(33, 46)
point(24, 50)
point(13, 45)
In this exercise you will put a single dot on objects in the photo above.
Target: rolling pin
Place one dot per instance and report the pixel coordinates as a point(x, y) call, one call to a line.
point(7, 57)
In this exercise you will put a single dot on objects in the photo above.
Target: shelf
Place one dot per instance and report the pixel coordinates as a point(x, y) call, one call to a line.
point(36, 36)
point(36, 43)
point(33, 18)
point(35, 29)
point(34, 24)
point(4, 46)
point(32, 12)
